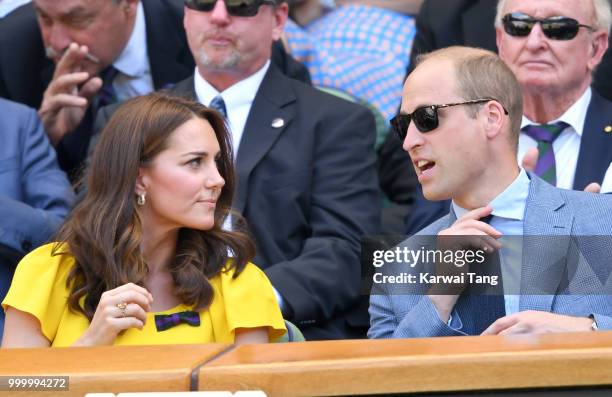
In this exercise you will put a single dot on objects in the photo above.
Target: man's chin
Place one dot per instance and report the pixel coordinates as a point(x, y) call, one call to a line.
point(537, 82)
point(433, 194)
point(219, 62)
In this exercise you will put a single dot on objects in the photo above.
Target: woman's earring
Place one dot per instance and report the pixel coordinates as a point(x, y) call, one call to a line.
point(141, 200)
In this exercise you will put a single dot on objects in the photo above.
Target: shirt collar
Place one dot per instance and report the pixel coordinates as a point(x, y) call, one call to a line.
point(130, 61)
point(243, 92)
point(510, 203)
point(574, 116)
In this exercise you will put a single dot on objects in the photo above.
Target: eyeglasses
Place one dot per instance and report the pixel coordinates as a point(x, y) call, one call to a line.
point(236, 8)
point(426, 117)
point(556, 28)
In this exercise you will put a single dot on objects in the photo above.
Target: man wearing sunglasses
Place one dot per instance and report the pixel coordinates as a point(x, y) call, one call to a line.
point(460, 118)
point(304, 161)
point(554, 47)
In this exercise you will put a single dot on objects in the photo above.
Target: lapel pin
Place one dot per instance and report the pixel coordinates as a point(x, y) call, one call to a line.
point(608, 129)
point(278, 123)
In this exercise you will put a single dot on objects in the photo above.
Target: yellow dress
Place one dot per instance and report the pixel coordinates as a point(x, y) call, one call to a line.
point(248, 301)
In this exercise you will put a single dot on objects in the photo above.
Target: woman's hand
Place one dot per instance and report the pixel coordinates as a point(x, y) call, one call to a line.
point(119, 309)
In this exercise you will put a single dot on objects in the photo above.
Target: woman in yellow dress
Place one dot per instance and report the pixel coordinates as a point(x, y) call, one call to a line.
point(144, 258)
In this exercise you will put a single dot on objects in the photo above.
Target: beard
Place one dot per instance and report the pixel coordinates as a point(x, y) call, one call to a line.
point(230, 61)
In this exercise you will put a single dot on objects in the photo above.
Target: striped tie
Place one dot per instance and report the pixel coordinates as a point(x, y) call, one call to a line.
point(545, 135)
point(219, 105)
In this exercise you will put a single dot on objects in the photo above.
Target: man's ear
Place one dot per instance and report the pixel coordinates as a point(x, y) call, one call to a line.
point(599, 45)
point(493, 116)
point(281, 13)
point(129, 6)
point(499, 32)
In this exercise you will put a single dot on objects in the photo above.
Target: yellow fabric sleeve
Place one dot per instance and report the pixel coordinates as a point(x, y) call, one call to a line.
point(39, 287)
point(249, 302)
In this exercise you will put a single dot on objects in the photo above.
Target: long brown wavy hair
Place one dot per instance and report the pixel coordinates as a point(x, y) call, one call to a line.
point(104, 231)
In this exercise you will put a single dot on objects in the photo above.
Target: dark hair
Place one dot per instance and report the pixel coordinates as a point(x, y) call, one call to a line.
point(104, 231)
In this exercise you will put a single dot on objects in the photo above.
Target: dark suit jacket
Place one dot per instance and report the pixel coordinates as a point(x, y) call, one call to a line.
point(25, 72)
point(594, 159)
point(309, 192)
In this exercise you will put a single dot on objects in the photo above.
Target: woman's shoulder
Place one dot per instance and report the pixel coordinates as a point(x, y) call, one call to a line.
point(250, 272)
point(51, 257)
point(39, 286)
point(250, 277)
point(49, 249)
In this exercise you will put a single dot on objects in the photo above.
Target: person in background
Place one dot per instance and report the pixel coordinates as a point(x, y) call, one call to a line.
point(143, 258)
point(360, 47)
point(35, 195)
point(74, 56)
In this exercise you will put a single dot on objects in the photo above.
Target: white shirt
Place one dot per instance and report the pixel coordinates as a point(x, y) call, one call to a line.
point(567, 144)
point(134, 78)
point(7, 6)
point(238, 100)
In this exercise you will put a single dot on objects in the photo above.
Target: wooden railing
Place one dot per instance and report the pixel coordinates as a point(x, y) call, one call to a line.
point(350, 367)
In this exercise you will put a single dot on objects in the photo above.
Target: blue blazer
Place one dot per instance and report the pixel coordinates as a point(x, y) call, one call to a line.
point(35, 195)
point(594, 158)
point(550, 211)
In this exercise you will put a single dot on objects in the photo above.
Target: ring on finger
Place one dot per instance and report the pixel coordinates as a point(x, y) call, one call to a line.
point(123, 307)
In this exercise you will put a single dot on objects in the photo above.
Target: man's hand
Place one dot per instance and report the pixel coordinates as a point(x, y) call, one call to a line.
point(467, 233)
point(66, 99)
point(536, 322)
point(530, 159)
point(593, 187)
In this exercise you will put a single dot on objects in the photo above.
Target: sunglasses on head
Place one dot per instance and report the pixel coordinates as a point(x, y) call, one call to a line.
point(556, 28)
point(236, 8)
point(425, 118)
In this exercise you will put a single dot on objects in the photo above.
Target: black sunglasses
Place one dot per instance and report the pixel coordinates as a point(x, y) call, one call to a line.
point(556, 28)
point(236, 8)
point(426, 117)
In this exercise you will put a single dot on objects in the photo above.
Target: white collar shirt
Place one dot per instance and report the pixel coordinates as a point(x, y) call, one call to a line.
point(134, 77)
point(567, 144)
point(238, 100)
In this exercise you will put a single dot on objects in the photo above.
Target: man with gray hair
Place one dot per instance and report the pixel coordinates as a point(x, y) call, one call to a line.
point(553, 47)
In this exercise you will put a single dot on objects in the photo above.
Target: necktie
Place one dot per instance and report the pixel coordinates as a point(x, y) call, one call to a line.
point(219, 105)
point(545, 135)
point(107, 94)
point(478, 309)
point(167, 321)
